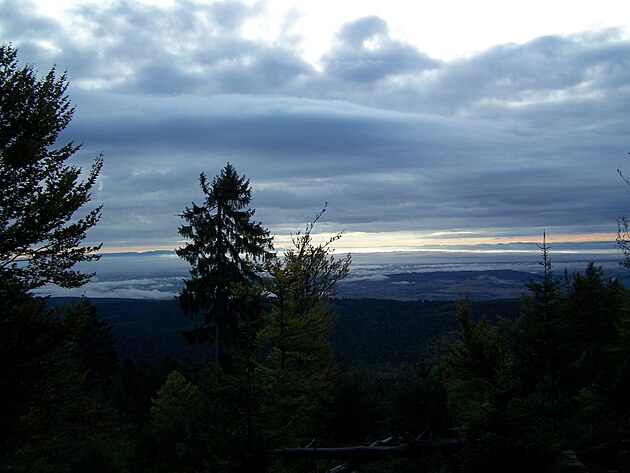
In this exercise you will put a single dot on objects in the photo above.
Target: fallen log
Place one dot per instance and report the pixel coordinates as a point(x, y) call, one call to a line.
point(363, 453)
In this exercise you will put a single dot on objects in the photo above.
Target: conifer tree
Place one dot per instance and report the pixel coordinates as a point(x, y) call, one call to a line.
point(40, 235)
point(225, 248)
point(541, 325)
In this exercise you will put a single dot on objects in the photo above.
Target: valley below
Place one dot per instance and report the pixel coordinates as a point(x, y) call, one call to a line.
point(439, 285)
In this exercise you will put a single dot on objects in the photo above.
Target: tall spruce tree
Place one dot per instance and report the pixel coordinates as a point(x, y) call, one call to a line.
point(225, 247)
point(40, 236)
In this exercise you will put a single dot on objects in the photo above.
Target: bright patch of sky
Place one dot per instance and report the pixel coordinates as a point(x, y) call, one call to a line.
point(444, 30)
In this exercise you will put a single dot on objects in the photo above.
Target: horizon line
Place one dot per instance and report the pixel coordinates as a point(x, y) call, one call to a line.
point(397, 242)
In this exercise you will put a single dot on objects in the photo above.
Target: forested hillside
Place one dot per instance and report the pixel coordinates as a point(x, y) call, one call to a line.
point(522, 379)
point(381, 331)
point(367, 331)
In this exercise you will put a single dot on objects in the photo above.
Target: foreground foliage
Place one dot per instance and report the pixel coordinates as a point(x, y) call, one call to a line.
point(40, 235)
point(556, 379)
point(517, 409)
point(56, 366)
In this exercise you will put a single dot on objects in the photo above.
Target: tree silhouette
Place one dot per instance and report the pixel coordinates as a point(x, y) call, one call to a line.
point(299, 367)
point(40, 236)
point(224, 249)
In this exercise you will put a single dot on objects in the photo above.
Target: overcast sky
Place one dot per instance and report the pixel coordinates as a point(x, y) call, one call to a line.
point(463, 122)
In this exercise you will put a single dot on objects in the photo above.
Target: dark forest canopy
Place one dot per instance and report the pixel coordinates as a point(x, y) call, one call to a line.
point(367, 331)
point(493, 377)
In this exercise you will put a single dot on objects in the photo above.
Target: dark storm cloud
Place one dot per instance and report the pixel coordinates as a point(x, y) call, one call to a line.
point(513, 139)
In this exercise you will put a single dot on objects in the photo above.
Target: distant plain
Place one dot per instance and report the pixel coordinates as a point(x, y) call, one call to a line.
point(391, 275)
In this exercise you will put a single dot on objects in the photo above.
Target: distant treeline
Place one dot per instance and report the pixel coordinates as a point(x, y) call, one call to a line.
point(367, 331)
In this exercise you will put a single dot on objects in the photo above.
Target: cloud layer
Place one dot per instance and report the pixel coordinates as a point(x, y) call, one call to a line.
point(508, 141)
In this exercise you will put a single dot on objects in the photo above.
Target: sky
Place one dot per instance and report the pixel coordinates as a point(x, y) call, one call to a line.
point(451, 124)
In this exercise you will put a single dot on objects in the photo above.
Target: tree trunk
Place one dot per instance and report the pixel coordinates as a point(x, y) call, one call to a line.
point(363, 453)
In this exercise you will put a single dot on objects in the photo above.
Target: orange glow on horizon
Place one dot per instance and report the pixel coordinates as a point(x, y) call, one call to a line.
point(401, 241)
